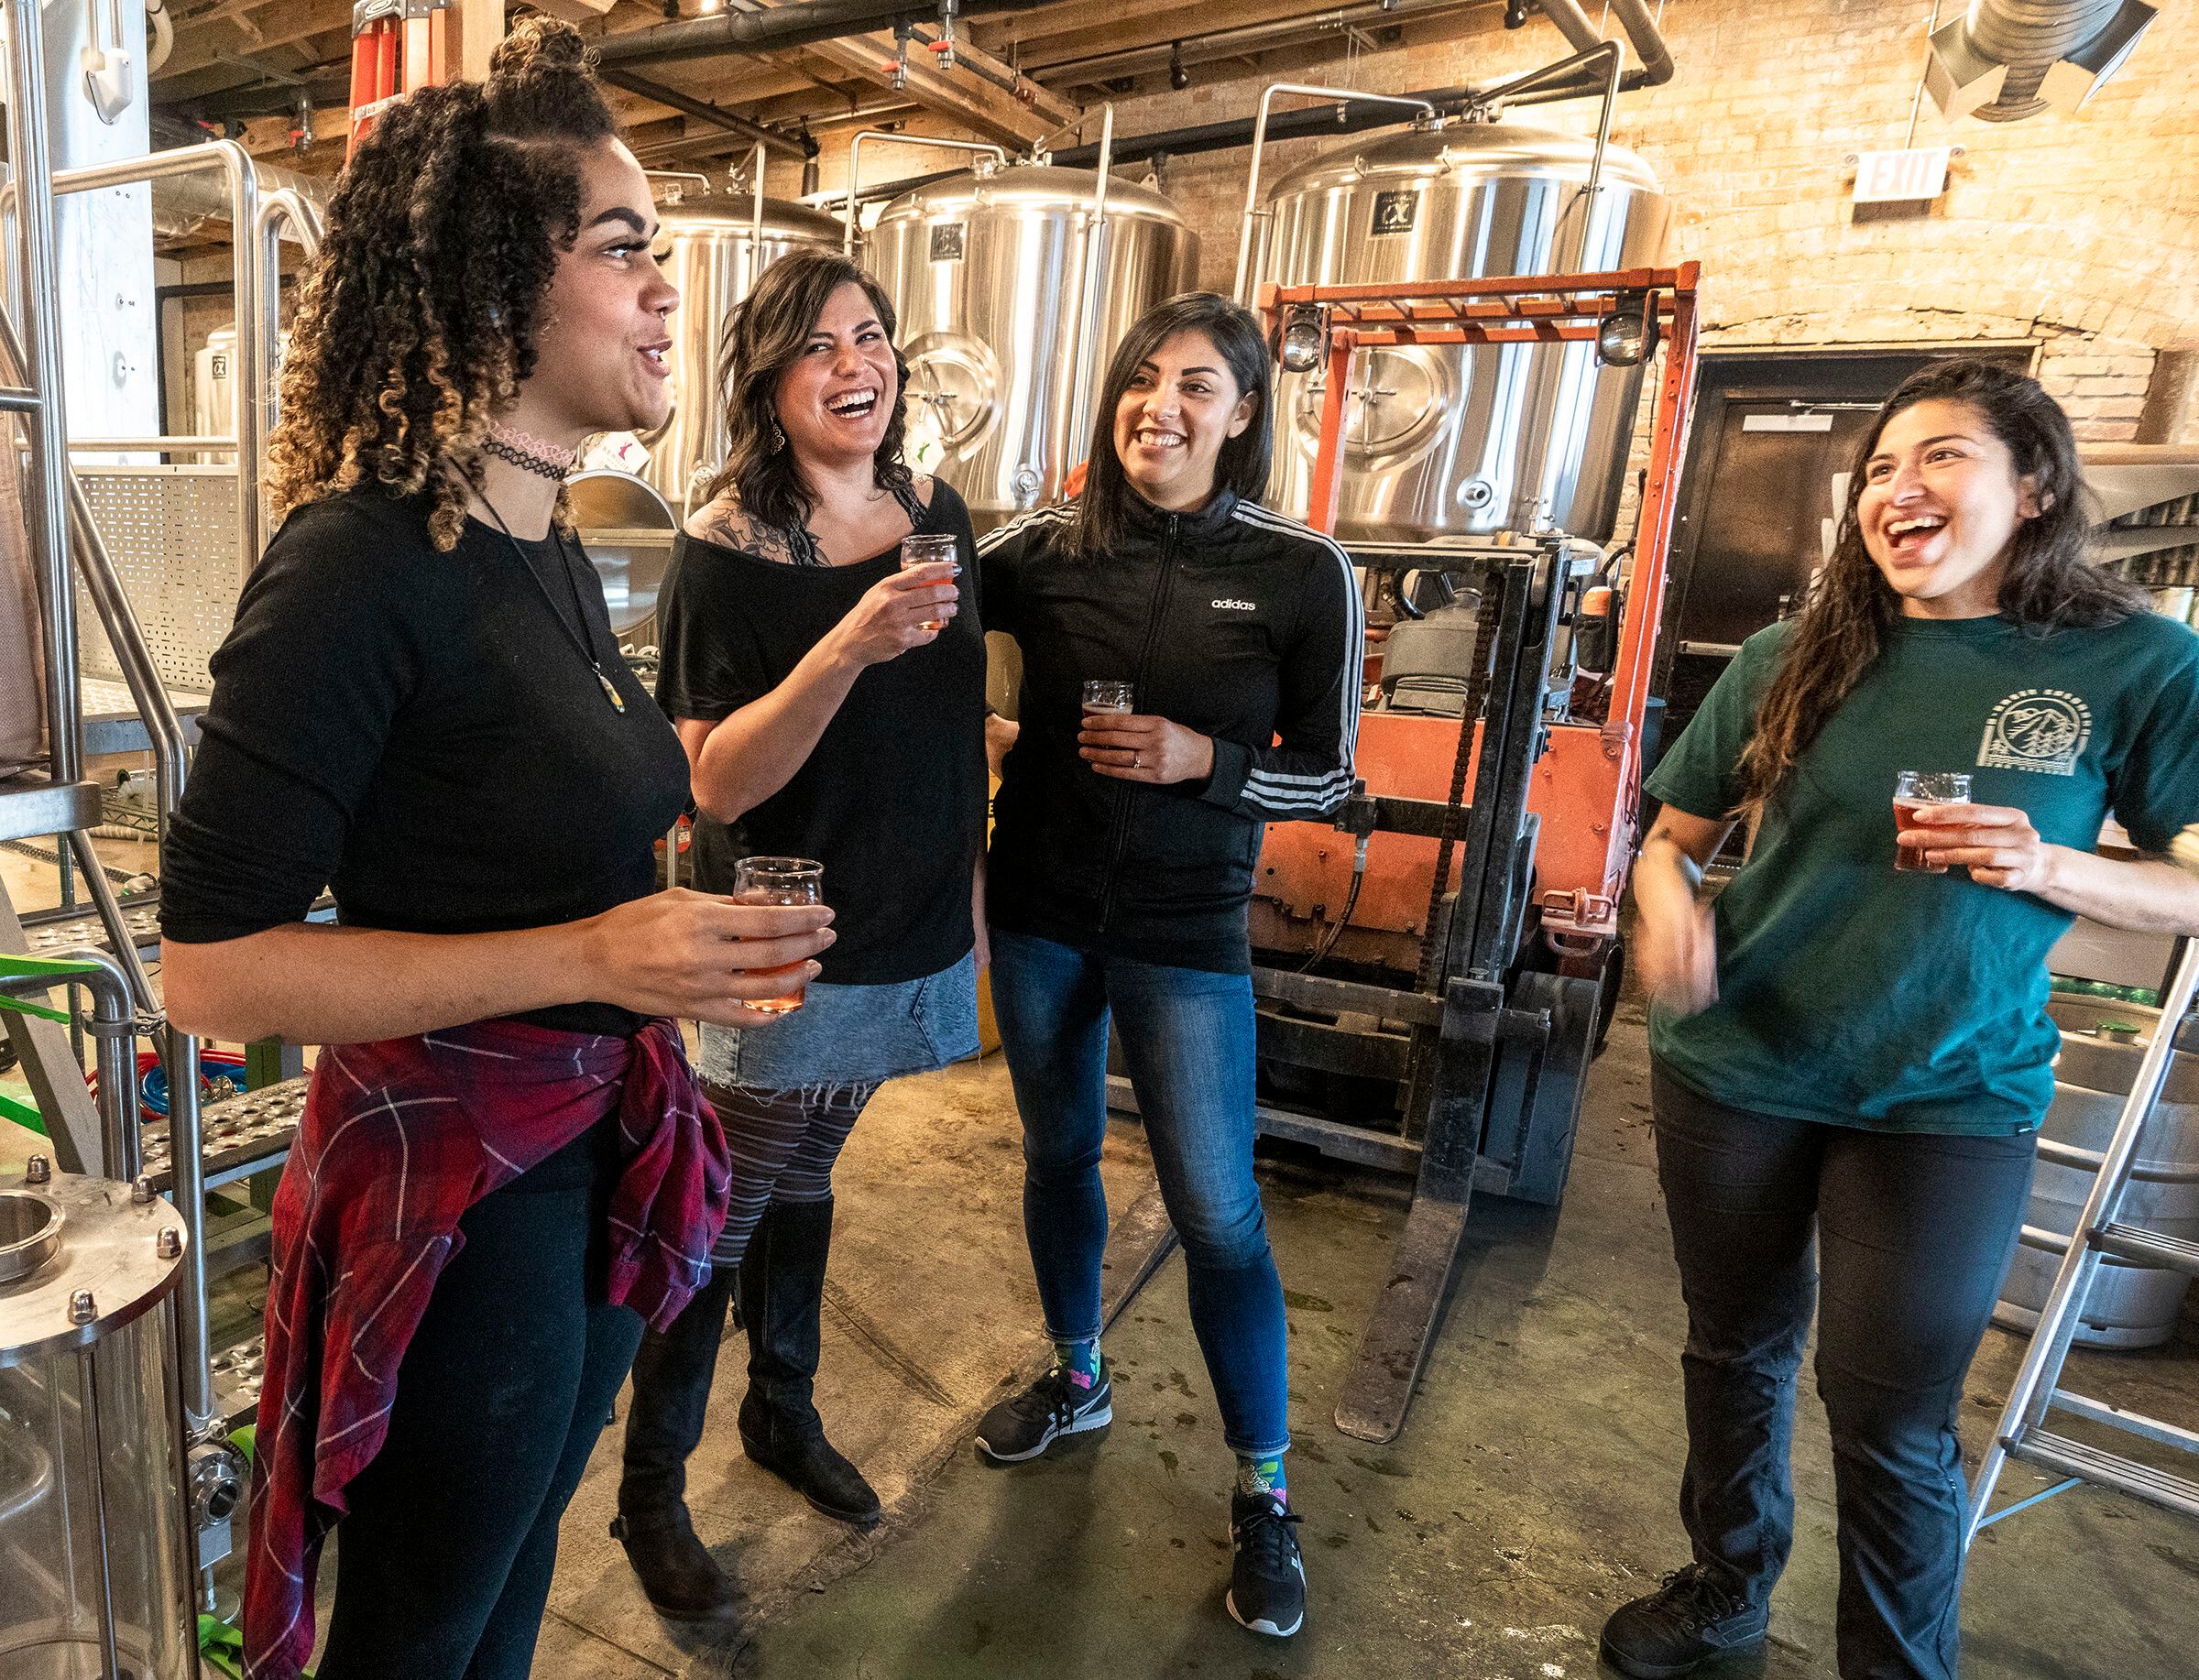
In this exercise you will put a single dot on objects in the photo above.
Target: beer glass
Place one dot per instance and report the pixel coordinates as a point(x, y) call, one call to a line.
point(930, 549)
point(1913, 789)
point(781, 881)
point(1102, 694)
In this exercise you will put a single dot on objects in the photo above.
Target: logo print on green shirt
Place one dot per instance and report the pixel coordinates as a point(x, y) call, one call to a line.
point(2040, 729)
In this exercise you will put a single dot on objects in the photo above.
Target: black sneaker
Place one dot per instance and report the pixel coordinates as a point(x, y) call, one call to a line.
point(1688, 1620)
point(1025, 1424)
point(1267, 1581)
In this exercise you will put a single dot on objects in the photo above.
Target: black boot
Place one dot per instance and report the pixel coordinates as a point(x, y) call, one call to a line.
point(664, 1425)
point(782, 1298)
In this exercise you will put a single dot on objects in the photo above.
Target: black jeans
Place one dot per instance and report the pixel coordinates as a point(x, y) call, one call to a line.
point(444, 1557)
point(1913, 1236)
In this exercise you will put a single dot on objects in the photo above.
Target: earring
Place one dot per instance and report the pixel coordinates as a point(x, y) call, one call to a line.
point(778, 435)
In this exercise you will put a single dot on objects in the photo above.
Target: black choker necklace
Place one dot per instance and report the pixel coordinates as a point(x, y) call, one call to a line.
point(527, 461)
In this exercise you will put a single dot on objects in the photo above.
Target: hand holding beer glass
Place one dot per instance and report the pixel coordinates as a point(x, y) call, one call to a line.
point(781, 881)
point(931, 549)
point(1914, 790)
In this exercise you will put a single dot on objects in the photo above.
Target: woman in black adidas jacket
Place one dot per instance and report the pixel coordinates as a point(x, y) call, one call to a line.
point(1122, 857)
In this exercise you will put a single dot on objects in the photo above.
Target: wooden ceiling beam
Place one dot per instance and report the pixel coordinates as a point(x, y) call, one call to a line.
point(991, 112)
point(207, 41)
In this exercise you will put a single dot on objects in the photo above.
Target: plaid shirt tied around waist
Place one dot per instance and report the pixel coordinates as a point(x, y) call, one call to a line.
point(398, 1138)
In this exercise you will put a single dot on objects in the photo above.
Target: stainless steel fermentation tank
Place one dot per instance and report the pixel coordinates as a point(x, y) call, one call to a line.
point(1464, 440)
point(95, 1564)
point(990, 271)
point(718, 247)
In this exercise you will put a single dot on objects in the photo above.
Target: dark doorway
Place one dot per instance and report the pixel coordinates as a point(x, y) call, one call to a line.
point(1771, 431)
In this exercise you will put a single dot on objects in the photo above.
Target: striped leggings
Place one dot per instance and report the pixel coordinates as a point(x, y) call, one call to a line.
point(783, 1144)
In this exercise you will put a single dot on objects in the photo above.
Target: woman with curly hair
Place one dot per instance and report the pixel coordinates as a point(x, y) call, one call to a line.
point(504, 1166)
point(833, 704)
point(1854, 1053)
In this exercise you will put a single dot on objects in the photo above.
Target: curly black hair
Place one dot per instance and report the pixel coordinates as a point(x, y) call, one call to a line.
point(420, 316)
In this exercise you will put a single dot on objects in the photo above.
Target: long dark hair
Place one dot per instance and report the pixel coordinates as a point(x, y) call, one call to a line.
point(1103, 510)
point(2049, 584)
point(766, 333)
point(420, 314)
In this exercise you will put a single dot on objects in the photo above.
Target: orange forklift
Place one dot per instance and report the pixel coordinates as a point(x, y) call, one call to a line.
point(1440, 1020)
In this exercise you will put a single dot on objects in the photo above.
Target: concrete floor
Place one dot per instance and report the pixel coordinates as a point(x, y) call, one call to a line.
point(1531, 1492)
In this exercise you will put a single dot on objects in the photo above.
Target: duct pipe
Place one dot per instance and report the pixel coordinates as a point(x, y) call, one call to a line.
point(2007, 59)
point(800, 23)
point(785, 145)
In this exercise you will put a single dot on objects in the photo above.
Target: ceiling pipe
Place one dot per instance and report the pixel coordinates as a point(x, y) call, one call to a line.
point(1572, 23)
point(800, 23)
point(1316, 121)
point(1641, 28)
point(1305, 30)
point(785, 145)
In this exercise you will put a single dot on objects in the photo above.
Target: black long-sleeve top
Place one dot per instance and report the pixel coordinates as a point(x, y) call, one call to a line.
point(415, 732)
point(1231, 621)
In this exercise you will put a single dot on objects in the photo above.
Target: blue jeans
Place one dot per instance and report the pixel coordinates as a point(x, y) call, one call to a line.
point(1899, 1241)
point(1187, 1036)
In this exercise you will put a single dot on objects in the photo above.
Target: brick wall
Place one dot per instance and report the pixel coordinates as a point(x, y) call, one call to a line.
point(2079, 233)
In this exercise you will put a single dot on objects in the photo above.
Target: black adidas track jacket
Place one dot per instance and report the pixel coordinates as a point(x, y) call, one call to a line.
point(1231, 621)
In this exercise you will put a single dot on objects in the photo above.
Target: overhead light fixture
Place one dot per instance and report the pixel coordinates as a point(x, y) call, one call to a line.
point(1628, 334)
point(1304, 339)
point(1178, 77)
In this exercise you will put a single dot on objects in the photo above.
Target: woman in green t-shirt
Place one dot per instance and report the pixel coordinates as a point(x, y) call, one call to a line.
point(1861, 1055)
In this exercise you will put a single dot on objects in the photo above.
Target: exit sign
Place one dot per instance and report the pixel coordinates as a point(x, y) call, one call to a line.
point(1887, 177)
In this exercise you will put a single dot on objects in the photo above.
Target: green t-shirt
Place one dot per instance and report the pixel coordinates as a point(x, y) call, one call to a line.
point(1852, 993)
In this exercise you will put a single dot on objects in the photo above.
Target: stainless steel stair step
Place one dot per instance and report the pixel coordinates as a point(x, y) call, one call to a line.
point(243, 1135)
point(238, 1371)
point(2047, 1451)
point(2132, 1242)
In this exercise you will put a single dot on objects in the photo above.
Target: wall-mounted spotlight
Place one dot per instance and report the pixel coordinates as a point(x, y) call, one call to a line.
point(1305, 338)
point(1178, 77)
point(1628, 334)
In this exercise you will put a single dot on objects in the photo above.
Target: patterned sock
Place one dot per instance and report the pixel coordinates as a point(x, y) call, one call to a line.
point(1263, 1475)
point(1080, 1359)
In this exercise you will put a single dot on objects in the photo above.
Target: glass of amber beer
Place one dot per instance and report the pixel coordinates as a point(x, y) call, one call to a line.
point(781, 881)
point(1914, 790)
point(930, 549)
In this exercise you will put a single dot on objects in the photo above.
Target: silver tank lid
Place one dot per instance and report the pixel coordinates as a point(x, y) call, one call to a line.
point(1489, 150)
point(1028, 187)
point(733, 214)
point(79, 1259)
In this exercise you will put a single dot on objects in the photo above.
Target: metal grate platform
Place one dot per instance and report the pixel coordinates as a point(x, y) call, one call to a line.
point(243, 1135)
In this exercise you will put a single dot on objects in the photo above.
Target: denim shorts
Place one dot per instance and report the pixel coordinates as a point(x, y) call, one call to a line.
point(851, 1034)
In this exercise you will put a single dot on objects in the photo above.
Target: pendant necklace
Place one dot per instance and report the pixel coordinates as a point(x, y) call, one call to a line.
point(579, 639)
